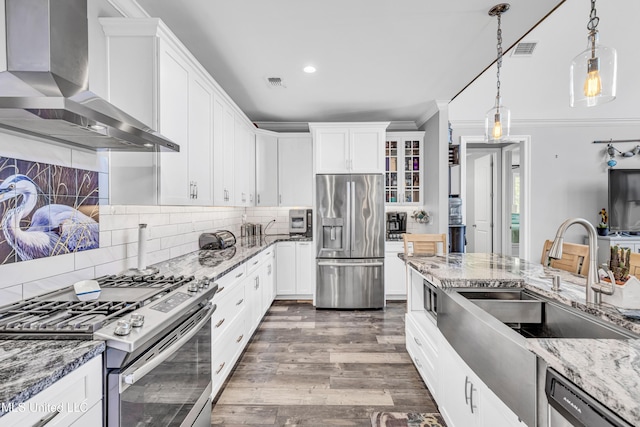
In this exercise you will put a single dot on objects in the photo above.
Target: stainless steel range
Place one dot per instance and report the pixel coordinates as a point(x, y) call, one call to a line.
point(157, 366)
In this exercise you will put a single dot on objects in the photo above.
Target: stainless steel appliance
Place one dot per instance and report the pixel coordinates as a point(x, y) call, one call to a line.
point(45, 90)
point(396, 225)
point(221, 239)
point(301, 222)
point(430, 298)
point(350, 237)
point(157, 365)
point(571, 406)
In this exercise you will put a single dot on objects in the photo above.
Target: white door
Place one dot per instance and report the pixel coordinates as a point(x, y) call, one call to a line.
point(482, 227)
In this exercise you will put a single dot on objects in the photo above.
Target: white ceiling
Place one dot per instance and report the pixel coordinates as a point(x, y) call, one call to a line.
point(376, 60)
point(536, 88)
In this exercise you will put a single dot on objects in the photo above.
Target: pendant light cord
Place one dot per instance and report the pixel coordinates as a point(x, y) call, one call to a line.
point(499, 61)
point(592, 26)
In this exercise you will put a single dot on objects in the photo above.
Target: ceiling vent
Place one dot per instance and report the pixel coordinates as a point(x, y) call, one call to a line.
point(524, 49)
point(275, 82)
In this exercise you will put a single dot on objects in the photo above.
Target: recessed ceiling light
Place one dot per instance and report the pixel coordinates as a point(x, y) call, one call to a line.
point(309, 69)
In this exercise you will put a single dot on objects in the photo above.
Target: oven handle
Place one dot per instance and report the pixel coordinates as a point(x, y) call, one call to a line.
point(149, 366)
point(350, 264)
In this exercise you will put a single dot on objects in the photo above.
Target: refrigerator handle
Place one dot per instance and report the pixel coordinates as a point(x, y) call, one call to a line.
point(352, 214)
point(347, 235)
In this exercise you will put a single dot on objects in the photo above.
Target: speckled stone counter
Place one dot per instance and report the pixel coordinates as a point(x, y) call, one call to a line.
point(609, 370)
point(214, 264)
point(29, 366)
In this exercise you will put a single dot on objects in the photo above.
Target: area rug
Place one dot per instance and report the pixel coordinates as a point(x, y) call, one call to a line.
point(403, 419)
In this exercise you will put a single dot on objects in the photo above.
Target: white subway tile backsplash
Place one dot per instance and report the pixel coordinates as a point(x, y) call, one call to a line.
point(127, 235)
point(163, 231)
point(27, 271)
point(100, 256)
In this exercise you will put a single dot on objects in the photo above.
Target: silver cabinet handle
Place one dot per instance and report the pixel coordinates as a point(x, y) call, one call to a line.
point(239, 275)
point(240, 302)
point(471, 405)
point(196, 188)
point(417, 341)
point(220, 322)
point(466, 394)
point(415, 359)
point(239, 338)
point(468, 397)
point(220, 367)
point(258, 198)
point(47, 419)
point(220, 290)
point(280, 199)
point(255, 262)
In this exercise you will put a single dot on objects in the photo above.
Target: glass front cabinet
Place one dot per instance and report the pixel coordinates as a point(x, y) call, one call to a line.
point(404, 168)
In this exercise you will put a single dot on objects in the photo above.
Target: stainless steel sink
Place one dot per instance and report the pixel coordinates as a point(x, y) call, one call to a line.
point(534, 317)
point(489, 329)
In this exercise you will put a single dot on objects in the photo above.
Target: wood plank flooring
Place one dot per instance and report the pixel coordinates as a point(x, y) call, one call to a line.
point(321, 368)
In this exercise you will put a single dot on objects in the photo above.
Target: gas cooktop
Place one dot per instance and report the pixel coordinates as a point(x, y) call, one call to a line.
point(59, 314)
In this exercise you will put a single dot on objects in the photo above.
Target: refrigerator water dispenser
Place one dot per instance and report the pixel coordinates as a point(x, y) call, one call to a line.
point(332, 233)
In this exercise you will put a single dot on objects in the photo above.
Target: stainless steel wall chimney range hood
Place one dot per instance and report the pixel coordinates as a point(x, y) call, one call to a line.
point(44, 91)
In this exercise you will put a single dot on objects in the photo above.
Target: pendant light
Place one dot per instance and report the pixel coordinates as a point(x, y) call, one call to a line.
point(498, 120)
point(594, 71)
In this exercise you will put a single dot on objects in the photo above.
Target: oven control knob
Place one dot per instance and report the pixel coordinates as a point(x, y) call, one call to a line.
point(201, 283)
point(205, 283)
point(193, 287)
point(137, 320)
point(123, 327)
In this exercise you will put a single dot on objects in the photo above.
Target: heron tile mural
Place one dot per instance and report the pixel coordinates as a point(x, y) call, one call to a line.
point(46, 210)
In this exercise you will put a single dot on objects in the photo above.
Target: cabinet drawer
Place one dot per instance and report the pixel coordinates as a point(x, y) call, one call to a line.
point(229, 304)
point(424, 353)
point(227, 348)
point(72, 396)
point(231, 277)
point(254, 263)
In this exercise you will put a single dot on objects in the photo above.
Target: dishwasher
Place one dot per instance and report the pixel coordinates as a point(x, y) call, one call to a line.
point(571, 406)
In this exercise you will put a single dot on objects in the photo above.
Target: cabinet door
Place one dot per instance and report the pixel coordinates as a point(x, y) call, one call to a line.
point(332, 150)
point(267, 273)
point(241, 163)
point(174, 124)
point(266, 170)
point(223, 137)
point(366, 150)
point(305, 268)
point(295, 171)
point(286, 268)
point(253, 294)
point(201, 141)
point(459, 389)
point(394, 275)
point(412, 167)
point(496, 413)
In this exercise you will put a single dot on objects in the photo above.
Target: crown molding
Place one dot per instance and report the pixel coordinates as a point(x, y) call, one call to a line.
point(547, 123)
point(129, 8)
point(283, 126)
point(433, 108)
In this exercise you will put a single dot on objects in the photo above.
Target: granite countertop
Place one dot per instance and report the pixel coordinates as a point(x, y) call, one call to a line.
point(609, 370)
point(214, 264)
point(30, 366)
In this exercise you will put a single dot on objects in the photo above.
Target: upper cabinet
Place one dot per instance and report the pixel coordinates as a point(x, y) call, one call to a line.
point(244, 164)
point(404, 168)
point(349, 147)
point(223, 152)
point(284, 169)
point(154, 78)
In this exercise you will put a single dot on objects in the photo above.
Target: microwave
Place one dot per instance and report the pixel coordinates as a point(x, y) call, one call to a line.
point(301, 222)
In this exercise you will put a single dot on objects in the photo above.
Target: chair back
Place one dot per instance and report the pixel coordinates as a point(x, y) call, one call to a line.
point(424, 244)
point(575, 258)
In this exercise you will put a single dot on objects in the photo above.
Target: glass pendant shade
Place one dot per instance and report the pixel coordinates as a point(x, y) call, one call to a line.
point(497, 123)
point(594, 75)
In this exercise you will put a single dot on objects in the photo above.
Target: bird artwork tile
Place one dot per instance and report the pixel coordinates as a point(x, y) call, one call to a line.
point(42, 212)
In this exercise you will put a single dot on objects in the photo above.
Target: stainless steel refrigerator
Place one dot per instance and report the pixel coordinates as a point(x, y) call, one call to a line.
point(350, 241)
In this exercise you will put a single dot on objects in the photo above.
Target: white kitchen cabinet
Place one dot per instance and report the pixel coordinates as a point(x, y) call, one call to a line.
point(349, 147)
point(295, 170)
point(154, 78)
point(404, 164)
point(284, 169)
point(464, 400)
point(244, 164)
point(223, 152)
point(75, 399)
point(423, 345)
point(295, 269)
point(266, 169)
point(395, 284)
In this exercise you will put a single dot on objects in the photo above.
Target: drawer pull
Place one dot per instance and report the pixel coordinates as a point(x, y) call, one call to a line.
point(239, 275)
point(417, 341)
point(47, 419)
point(415, 359)
point(240, 302)
point(219, 323)
point(220, 368)
point(255, 262)
point(240, 338)
point(220, 290)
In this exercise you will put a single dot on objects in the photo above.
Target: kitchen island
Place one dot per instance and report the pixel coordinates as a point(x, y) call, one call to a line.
point(608, 370)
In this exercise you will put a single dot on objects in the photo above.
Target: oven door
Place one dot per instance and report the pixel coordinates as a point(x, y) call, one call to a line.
point(170, 384)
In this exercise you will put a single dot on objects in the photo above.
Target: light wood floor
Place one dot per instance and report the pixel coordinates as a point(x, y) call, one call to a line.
point(323, 367)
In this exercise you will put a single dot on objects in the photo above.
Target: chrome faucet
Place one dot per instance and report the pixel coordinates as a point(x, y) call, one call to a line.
point(556, 251)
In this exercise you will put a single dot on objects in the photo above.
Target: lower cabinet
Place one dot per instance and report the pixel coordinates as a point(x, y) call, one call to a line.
point(295, 270)
point(74, 400)
point(395, 287)
point(464, 400)
point(423, 342)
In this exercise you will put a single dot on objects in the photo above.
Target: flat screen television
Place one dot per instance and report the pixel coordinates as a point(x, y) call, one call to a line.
point(624, 200)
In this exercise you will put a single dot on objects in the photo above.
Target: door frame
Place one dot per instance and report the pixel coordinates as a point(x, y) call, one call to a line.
point(525, 186)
